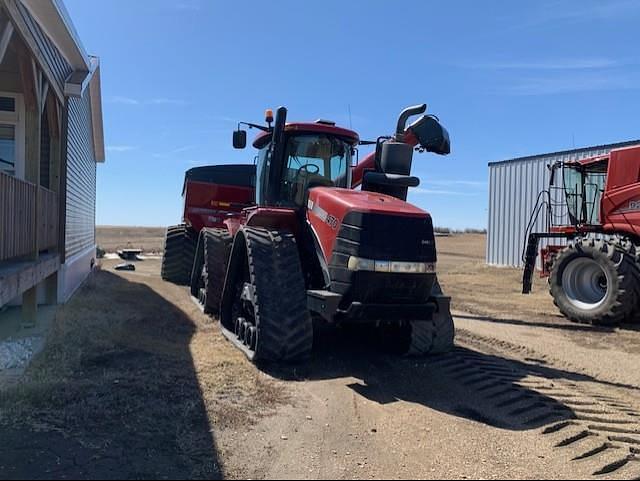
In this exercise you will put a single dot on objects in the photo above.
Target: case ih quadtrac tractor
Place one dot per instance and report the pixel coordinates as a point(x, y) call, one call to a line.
point(314, 248)
point(595, 278)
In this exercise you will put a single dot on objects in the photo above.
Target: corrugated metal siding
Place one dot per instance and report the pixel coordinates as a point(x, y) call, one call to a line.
point(81, 178)
point(60, 68)
point(513, 191)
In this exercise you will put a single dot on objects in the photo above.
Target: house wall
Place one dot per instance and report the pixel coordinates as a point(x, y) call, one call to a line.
point(80, 240)
point(78, 188)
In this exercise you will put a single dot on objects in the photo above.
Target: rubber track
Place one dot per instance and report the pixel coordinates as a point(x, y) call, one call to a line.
point(179, 251)
point(217, 247)
point(285, 330)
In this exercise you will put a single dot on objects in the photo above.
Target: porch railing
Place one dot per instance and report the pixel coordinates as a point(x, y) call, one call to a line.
point(19, 221)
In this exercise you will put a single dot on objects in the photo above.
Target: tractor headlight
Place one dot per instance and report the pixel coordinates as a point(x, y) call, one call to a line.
point(360, 264)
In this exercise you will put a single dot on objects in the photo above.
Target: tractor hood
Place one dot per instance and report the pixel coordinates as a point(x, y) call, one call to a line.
point(328, 208)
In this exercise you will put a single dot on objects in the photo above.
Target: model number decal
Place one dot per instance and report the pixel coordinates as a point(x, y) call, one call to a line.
point(332, 221)
point(323, 215)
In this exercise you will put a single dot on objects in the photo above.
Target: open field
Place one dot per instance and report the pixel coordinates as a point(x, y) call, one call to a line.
point(488, 291)
point(112, 238)
point(136, 382)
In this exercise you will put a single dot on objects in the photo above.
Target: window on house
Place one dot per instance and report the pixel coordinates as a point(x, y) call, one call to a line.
point(8, 149)
point(7, 104)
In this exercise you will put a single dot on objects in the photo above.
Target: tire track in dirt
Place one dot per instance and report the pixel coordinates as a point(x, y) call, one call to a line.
point(601, 429)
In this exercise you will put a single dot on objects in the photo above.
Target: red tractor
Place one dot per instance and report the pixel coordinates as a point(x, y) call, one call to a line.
point(595, 277)
point(315, 249)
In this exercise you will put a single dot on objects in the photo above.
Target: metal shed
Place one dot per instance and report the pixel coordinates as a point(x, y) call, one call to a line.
point(514, 186)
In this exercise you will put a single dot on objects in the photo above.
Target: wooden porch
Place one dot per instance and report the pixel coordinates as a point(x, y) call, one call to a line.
point(31, 210)
point(30, 236)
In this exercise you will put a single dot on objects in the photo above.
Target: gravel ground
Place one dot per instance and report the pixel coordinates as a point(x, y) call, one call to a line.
point(15, 354)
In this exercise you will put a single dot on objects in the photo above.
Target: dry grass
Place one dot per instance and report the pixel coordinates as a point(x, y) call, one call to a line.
point(136, 365)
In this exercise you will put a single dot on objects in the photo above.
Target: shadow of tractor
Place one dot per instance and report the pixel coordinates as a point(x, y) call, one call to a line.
point(485, 388)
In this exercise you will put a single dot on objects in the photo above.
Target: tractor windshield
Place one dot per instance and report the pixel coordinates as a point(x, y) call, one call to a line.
point(314, 160)
point(584, 187)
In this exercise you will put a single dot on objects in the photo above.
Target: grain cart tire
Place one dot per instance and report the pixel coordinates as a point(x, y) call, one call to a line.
point(437, 335)
point(179, 249)
point(596, 282)
point(210, 267)
point(265, 287)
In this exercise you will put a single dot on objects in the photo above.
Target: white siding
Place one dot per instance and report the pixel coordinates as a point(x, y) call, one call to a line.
point(81, 179)
point(514, 186)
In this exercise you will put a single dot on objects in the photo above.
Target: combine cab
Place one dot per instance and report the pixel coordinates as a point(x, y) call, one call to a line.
point(594, 274)
point(211, 195)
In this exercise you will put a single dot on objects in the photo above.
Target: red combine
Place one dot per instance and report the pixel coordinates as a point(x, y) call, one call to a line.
point(211, 195)
point(595, 278)
point(314, 249)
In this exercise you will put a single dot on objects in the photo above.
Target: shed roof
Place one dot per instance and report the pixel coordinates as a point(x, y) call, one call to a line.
point(581, 150)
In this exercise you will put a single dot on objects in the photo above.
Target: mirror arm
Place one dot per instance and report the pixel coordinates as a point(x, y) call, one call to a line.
point(255, 126)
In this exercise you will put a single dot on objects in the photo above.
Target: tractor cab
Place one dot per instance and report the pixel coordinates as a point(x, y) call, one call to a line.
point(311, 155)
point(295, 157)
point(584, 184)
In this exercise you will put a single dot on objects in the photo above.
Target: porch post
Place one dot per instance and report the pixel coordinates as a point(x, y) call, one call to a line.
point(52, 109)
point(31, 83)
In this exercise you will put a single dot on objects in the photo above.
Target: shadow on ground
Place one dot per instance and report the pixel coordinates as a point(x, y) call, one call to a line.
point(114, 395)
point(489, 389)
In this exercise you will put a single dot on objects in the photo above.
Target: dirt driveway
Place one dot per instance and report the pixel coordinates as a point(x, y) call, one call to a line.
point(137, 382)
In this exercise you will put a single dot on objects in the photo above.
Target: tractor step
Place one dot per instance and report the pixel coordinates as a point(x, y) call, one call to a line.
point(324, 303)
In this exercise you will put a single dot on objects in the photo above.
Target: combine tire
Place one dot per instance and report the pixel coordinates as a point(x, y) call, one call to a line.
point(207, 277)
point(596, 281)
point(179, 249)
point(435, 336)
point(264, 304)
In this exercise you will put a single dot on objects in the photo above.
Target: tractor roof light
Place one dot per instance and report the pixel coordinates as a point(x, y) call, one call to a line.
point(268, 116)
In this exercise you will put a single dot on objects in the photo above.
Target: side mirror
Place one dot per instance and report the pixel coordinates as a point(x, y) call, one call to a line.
point(239, 139)
point(431, 135)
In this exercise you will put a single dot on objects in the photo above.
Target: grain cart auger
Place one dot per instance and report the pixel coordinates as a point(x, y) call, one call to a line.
point(594, 275)
point(313, 249)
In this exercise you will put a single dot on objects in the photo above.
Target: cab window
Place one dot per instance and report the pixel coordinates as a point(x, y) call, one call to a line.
point(314, 161)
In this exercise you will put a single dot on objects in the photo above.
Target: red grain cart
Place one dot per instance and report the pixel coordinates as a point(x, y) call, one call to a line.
point(211, 194)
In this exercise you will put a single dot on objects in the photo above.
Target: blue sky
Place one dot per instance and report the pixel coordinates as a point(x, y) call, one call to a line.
point(506, 78)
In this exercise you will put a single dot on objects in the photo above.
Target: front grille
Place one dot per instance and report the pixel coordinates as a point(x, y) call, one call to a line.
point(382, 237)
